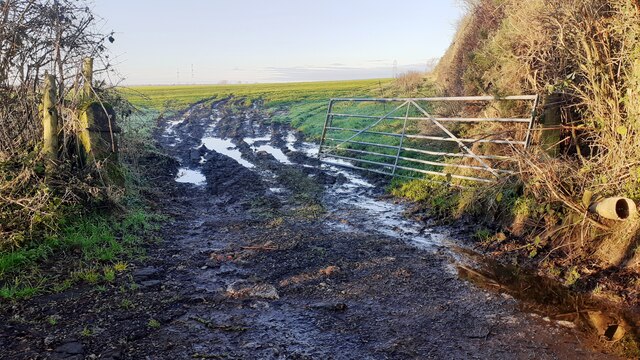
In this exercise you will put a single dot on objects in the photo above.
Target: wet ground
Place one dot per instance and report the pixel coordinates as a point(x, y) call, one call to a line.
point(268, 255)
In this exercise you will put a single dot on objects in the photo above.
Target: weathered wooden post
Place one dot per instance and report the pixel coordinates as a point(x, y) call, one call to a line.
point(551, 124)
point(87, 74)
point(50, 121)
point(98, 129)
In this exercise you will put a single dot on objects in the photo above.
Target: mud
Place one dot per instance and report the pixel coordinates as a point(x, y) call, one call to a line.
point(283, 260)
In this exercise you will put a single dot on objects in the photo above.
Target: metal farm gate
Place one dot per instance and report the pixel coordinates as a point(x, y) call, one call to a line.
point(410, 137)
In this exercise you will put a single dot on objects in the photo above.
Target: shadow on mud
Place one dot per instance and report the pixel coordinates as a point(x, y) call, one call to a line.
point(553, 300)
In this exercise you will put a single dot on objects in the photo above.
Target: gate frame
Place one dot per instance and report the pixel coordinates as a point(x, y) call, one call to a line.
point(437, 121)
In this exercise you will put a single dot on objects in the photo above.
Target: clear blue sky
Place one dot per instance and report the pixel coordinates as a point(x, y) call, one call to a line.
point(161, 41)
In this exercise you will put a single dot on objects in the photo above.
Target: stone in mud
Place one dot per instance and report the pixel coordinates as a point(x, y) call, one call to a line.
point(145, 273)
point(71, 348)
point(329, 306)
point(194, 156)
point(245, 289)
point(147, 284)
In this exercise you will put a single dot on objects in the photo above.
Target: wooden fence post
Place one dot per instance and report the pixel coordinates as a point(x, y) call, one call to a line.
point(551, 133)
point(87, 74)
point(50, 120)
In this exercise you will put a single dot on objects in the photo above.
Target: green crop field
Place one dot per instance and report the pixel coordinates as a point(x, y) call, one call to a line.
point(301, 105)
point(305, 103)
point(179, 96)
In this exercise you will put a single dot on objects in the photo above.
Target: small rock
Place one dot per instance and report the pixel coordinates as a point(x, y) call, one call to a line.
point(211, 263)
point(149, 284)
point(243, 288)
point(194, 156)
point(329, 270)
point(260, 305)
point(567, 324)
point(112, 355)
point(204, 267)
point(251, 345)
point(506, 296)
point(146, 272)
point(71, 348)
point(49, 340)
point(329, 306)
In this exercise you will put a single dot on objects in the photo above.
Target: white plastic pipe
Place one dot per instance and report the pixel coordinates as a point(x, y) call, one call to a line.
point(615, 208)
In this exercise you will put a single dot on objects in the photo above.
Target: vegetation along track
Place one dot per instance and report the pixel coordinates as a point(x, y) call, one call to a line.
point(268, 255)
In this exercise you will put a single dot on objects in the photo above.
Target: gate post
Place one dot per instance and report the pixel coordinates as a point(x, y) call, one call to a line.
point(87, 74)
point(551, 133)
point(50, 121)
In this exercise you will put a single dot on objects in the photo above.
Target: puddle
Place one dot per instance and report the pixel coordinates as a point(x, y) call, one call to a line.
point(309, 149)
point(226, 147)
point(357, 200)
point(546, 297)
point(251, 141)
point(275, 152)
point(291, 140)
point(190, 176)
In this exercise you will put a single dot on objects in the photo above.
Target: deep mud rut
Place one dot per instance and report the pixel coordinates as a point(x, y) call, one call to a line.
point(270, 256)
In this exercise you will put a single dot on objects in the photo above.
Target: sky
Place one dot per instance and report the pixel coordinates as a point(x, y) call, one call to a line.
point(248, 41)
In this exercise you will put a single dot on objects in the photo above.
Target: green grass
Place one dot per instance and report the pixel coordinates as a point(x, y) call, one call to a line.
point(163, 98)
point(94, 245)
point(303, 106)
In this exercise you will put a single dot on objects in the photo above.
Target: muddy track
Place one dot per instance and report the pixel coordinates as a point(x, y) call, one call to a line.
point(268, 256)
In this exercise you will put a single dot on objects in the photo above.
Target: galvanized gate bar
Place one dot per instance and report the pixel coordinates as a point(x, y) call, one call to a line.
point(404, 129)
point(533, 116)
point(452, 98)
point(426, 152)
point(327, 123)
point(426, 137)
point(377, 122)
point(445, 119)
point(460, 143)
point(335, 150)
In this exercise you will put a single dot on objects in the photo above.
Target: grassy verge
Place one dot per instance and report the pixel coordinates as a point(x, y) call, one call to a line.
point(92, 249)
point(88, 240)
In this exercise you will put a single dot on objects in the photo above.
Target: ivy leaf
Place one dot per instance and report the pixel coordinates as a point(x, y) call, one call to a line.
point(621, 130)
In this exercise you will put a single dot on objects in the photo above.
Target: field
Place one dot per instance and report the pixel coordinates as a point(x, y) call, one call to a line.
point(171, 97)
point(301, 105)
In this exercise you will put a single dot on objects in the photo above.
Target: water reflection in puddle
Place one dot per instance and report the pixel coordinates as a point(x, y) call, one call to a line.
point(546, 297)
point(356, 201)
point(190, 176)
point(275, 152)
point(226, 147)
point(251, 141)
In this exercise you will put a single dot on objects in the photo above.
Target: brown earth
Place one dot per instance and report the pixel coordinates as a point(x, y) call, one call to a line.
point(270, 263)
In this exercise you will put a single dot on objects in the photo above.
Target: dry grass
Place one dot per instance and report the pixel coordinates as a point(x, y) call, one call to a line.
point(588, 51)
